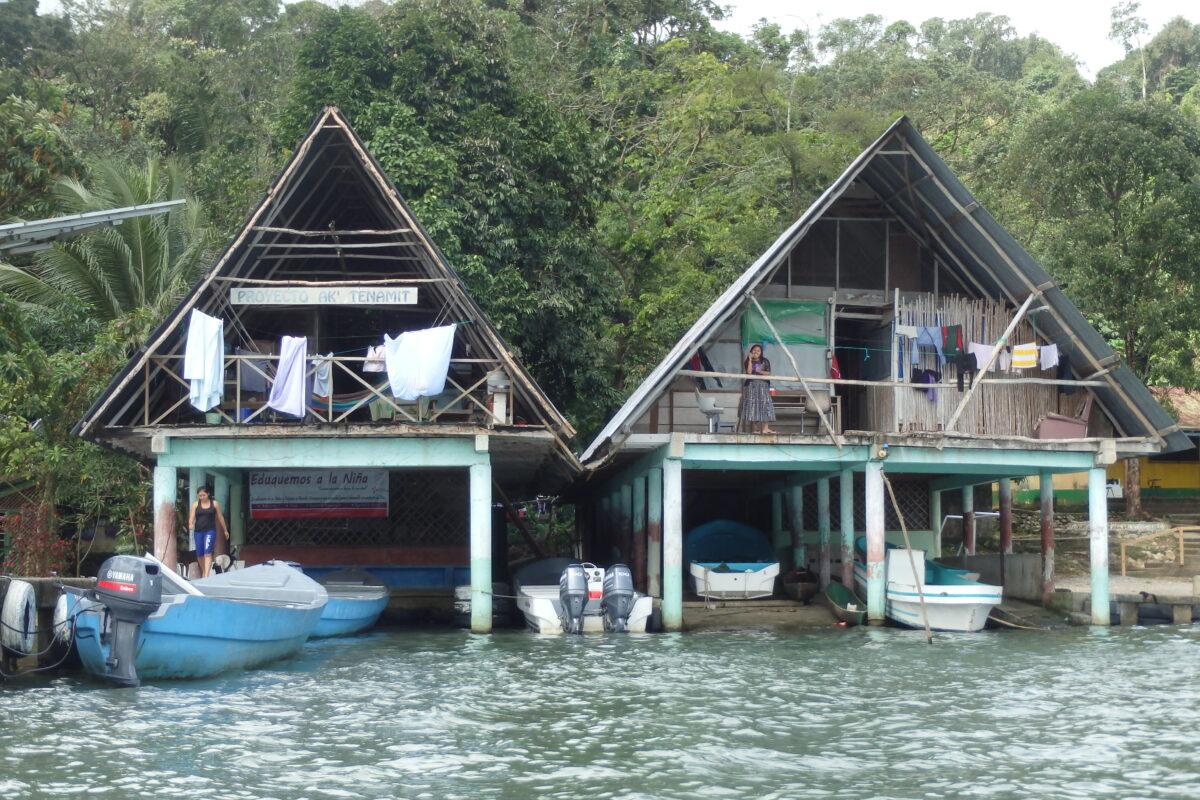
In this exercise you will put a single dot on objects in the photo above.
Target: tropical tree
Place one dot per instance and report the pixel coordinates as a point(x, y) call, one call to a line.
point(147, 262)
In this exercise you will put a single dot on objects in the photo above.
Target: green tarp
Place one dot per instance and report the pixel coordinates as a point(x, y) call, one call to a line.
point(798, 322)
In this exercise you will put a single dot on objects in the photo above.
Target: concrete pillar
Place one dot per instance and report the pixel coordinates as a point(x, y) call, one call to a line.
point(876, 578)
point(968, 520)
point(166, 494)
point(935, 520)
point(825, 530)
point(481, 547)
point(639, 533)
point(846, 502)
point(1006, 529)
point(781, 538)
point(1046, 496)
point(796, 526)
point(625, 522)
point(1098, 536)
point(602, 537)
point(672, 605)
point(221, 495)
point(197, 477)
point(236, 513)
point(654, 519)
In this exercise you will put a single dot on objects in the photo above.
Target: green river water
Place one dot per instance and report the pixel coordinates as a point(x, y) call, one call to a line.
point(860, 713)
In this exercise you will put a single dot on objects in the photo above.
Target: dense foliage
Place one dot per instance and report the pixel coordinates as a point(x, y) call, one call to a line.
point(596, 172)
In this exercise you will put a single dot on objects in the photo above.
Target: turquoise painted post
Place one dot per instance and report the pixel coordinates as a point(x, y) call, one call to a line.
point(1098, 534)
point(166, 491)
point(935, 520)
point(1046, 490)
point(796, 523)
point(236, 513)
point(1006, 522)
point(672, 605)
point(639, 533)
point(197, 477)
point(604, 532)
point(221, 495)
point(625, 522)
point(876, 566)
point(780, 538)
point(846, 502)
point(654, 529)
point(481, 547)
point(968, 519)
point(825, 530)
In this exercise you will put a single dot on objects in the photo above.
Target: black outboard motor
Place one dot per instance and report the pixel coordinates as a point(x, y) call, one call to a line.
point(618, 598)
point(573, 594)
point(131, 589)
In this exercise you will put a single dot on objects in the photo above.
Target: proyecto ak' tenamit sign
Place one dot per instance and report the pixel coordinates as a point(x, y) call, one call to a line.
point(293, 493)
point(323, 295)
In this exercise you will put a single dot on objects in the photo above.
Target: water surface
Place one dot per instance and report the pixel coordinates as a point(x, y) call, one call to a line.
point(860, 713)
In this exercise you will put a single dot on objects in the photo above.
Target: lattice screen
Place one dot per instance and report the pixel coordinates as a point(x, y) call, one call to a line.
point(912, 496)
point(425, 508)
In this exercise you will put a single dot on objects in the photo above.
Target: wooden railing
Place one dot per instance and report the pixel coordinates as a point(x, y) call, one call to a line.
point(1177, 531)
point(239, 405)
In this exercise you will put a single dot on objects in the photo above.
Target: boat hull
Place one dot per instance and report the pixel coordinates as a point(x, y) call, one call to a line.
point(734, 581)
point(198, 637)
point(958, 607)
point(348, 614)
point(542, 610)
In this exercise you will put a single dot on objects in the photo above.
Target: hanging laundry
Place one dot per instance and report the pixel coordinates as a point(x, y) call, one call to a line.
point(930, 376)
point(375, 359)
point(322, 385)
point(835, 371)
point(982, 353)
point(418, 362)
point(1004, 360)
point(929, 337)
point(204, 360)
point(909, 331)
point(252, 373)
point(287, 392)
point(1048, 356)
point(965, 362)
point(1025, 356)
point(952, 342)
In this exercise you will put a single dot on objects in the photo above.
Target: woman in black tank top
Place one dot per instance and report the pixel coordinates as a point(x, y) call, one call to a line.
point(206, 522)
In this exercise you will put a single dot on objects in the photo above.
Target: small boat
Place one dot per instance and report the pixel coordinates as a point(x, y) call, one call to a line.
point(730, 561)
point(356, 599)
point(143, 621)
point(951, 601)
point(560, 595)
point(845, 604)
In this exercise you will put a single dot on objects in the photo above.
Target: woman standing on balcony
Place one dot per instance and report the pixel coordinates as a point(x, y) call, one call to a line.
point(757, 407)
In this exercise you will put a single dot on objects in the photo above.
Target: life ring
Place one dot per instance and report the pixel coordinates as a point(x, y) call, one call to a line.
point(19, 630)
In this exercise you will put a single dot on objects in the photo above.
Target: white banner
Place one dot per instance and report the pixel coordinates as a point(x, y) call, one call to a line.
point(279, 494)
point(323, 296)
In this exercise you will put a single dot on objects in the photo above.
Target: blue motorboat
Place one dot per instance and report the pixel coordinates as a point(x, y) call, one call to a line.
point(356, 599)
point(730, 561)
point(142, 621)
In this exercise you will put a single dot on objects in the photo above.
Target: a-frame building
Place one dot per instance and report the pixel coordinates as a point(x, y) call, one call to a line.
point(333, 254)
point(861, 305)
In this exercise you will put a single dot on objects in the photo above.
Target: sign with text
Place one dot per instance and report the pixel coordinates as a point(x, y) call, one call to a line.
point(285, 494)
point(323, 296)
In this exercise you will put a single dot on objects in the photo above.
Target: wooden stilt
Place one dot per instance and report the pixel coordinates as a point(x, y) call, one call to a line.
point(824, 530)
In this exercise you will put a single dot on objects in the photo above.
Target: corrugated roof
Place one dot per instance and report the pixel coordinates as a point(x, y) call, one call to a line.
point(922, 191)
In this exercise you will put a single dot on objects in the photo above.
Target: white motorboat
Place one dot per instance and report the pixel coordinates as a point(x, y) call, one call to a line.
point(952, 602)
point(558, 595)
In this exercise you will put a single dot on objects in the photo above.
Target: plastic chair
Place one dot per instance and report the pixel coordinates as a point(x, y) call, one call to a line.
point(710, 409)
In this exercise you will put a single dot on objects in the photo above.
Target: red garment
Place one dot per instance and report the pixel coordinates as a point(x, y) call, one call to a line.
point(835, 371)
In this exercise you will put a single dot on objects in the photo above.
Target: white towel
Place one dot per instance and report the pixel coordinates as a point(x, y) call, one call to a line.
point(418, 361)
point(322, 384)
point(1048, 356)
point(287, 392)
point(204, 360)
point(375, 359)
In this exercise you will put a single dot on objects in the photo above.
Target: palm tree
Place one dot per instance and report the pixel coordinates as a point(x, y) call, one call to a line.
point(143, 263)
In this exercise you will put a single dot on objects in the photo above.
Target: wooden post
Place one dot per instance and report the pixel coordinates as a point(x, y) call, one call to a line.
point(1046, 494)
point(1006, 529)
point(672, 605)
point(876, 565)
point(1098, 536)
point(481, 546)
point(968, 520)
point(935, 520)
point(846, 501)
point(825, 530)
point(639, 533)
point(796, 525)
point(654, 519)
point(166, 490)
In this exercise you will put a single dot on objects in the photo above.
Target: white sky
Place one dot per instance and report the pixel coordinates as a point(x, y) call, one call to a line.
point(1079, 28)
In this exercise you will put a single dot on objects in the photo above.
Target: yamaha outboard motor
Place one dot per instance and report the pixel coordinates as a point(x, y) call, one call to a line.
point(618, 597)
point(131, 589)
point(573, 594)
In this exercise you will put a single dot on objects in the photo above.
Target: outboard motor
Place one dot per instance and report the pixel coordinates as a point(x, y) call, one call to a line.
point(618, 598)
point(573, 594)
point(131, 589)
